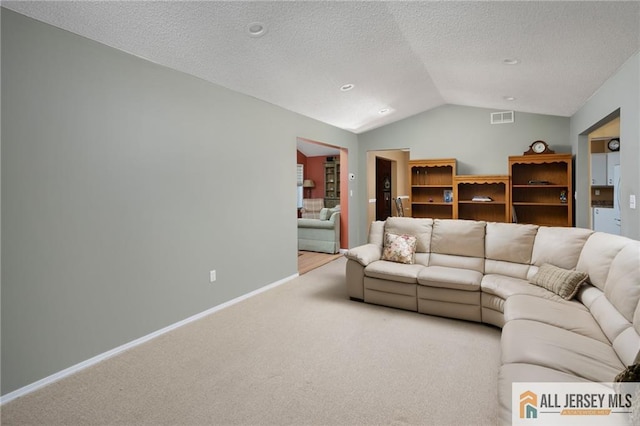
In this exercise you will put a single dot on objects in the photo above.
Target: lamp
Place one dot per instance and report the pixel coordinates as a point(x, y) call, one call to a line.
point(308, 183)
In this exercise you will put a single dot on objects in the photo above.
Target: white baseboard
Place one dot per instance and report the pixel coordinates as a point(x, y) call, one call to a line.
point(106, 355)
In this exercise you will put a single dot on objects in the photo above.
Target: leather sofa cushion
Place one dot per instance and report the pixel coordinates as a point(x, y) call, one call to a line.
point(570, 317)
point(510, 242)
point(458, 237)
point(502, 286)
point(532, 342)
point(559, 246)
point(510, 269)
point(457, 262)
point(622, 287)
point(444, 277)
point(393, 271)
point(376, 233)
point(419, 228)
point(597, 254)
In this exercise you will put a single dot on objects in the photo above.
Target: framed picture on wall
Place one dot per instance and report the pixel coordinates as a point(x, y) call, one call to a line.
point(448, 196)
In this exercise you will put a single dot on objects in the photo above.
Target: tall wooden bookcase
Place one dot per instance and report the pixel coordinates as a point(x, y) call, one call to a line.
point(542, 189)
point(429, 179)
point(471, 196)
point(331, 183)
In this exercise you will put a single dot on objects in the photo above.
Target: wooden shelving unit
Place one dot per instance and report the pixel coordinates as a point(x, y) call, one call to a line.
point(538, 183)
point(331, 183)
point(496, 187)
point(429, 179)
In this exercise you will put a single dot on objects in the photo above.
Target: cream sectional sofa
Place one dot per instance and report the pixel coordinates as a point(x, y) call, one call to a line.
point(481, 271)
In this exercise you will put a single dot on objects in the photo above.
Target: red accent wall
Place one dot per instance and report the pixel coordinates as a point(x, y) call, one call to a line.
point(314, 170)
point(302, 159)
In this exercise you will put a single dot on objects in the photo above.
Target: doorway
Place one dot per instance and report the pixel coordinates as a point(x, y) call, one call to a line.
point(383, 188)
point(313, 155)
point(398, 159)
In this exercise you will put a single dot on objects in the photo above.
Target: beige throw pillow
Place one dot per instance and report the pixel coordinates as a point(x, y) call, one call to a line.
point(562, 282)
point(399, 248)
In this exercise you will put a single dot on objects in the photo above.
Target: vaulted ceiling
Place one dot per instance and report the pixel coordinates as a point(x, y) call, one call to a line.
point(401, 58)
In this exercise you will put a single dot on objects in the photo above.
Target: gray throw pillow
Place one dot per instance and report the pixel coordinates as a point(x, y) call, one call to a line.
point(563, 282)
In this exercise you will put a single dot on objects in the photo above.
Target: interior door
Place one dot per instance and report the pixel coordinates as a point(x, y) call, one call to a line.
point(383, 188)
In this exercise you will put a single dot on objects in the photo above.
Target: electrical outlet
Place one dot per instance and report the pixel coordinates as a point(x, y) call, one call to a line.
point(597, 192)
point(212, 276)
point(632, 201)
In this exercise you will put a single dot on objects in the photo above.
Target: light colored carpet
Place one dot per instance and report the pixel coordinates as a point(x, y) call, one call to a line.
point(299, 354)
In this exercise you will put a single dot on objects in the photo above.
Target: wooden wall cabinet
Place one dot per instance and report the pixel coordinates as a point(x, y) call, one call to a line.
point(542, 189)
point(472, 194)
point(429, 179)
point(331, 183)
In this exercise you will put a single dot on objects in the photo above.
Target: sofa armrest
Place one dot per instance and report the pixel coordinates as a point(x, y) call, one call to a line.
point(365, 254)
point(335, 217)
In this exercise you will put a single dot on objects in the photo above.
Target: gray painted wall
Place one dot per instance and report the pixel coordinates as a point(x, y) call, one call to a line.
point(621, 91)
point(123, 184)
point(464, 133)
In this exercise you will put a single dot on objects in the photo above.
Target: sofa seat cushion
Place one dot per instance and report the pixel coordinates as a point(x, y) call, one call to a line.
point(392, 271)
point(316, 223)
point(563, 315)
point(505, 287)
point(533, 342)
point(453, 278)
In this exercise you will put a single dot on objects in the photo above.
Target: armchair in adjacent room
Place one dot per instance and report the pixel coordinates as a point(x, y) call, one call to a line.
point(322, 233)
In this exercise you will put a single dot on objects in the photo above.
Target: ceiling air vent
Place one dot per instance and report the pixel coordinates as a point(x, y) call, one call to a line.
point(503, 117)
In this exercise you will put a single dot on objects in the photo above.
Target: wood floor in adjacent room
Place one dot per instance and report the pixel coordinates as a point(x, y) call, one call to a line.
point(309, 260)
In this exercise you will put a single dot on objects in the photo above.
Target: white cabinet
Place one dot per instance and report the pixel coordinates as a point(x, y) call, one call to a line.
point(613, 159)
point(602, 165)
point(599, 169)
point(606, 220)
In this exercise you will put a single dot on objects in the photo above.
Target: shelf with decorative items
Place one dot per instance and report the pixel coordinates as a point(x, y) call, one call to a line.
point(541, 189)
point(331, 182)
point(482, 197)
point(431, 189)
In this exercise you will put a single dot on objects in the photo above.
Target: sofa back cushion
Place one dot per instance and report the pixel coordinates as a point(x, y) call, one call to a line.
point(559, 246)
point(508, 248)
point(458, 243)
point(597, 254)
point(376, 233)
point(617, 308)
point(622, 287)
point(419, 228)
point(511, 242)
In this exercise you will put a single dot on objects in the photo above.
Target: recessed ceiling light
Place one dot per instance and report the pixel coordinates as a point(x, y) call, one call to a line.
point(347, 87)
point(509, 98)
point(384, 111)
point(256, 29)
point(511, 61)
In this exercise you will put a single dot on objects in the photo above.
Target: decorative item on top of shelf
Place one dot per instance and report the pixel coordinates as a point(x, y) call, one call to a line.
point(482, 199)
point(614, 144)
point(539, 147)
point(448, 196)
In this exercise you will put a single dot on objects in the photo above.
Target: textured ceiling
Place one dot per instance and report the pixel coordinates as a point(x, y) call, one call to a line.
point(405, 56)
